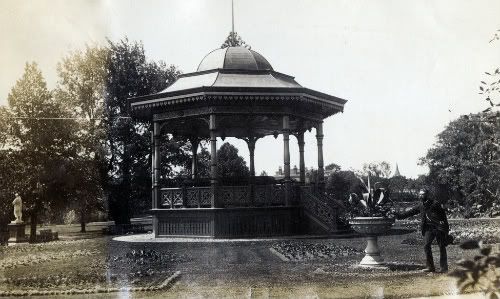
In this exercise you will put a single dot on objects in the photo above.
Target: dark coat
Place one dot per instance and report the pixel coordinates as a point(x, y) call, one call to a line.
point(432, 216)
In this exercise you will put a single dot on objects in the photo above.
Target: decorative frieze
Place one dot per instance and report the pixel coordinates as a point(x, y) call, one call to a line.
point(326, 106)
point(237, 110)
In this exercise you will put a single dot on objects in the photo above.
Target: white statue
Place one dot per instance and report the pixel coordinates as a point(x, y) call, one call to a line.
point(18, 209)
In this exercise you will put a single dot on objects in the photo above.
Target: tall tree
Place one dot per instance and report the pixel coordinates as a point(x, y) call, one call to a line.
point(466, 160)
point(129, 74)
point(38, 140)
point(82, 87)
point(7, 184)
point(341, 184)
point(377, 169)
point(490, 87)
point(332, 167)
point(230, 164)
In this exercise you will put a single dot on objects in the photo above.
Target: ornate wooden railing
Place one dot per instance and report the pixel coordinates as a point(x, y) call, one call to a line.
point(198, 197)
point(227, 196)
point(237, 196)
point(265, 195)
point(318, 210)
point(193, 197)
point(171, 198)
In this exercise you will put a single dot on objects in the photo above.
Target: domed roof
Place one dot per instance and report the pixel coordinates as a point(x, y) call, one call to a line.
point(234, 58)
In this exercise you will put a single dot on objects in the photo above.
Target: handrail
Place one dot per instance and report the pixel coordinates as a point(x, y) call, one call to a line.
point(337, 202)
point(322, 212)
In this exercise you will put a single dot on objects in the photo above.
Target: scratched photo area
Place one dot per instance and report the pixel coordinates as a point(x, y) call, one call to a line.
point(249, 149)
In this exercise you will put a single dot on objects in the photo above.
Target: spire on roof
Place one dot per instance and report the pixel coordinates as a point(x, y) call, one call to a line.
point(233, 39)
point(232, 15)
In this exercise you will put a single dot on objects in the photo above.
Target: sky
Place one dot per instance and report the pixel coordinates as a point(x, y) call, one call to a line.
point(407, 68)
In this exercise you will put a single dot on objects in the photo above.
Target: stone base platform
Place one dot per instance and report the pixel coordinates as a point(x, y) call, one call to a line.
point(227, 222)
point(150, 238)
point(17, 233)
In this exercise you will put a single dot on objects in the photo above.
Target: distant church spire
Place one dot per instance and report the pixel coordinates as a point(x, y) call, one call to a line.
point(396, 172)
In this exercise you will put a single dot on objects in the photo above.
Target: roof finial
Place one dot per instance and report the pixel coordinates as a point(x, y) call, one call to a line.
point(232, 15)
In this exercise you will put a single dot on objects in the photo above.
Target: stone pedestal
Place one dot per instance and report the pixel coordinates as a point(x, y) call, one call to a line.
point(17, 233)
point(372, 254)
point(371, 228)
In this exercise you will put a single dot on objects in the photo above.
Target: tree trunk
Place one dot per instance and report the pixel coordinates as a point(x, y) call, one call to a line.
point(82, 220)
point(126, 188)
point(33, 223)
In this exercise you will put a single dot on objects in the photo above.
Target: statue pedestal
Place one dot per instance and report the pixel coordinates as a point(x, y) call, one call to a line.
point(17, 233)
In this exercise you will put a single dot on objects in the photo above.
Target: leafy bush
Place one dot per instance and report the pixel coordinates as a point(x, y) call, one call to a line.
point(70, 217)
point(374, 202)
point(480, 273)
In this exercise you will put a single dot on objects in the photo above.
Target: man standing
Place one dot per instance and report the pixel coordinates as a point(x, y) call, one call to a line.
point(434, 225)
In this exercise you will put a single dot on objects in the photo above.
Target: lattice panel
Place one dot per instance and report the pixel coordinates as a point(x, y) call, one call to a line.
point(198, 197)
point(226, 195)
point(171, 198)
point(240, 195)
point(205, 197)
point(278, 195)
point(234, 195)
point(193, 197)
point(262, 194)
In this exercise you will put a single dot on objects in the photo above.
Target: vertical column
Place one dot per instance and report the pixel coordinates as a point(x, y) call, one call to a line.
point(286, 157)
point(213, 158)
point(194, 162)
point(156, 164)
point(302, 166)
point(321, 171)
point(152, 168)
point(156, 173)
point(251, 149)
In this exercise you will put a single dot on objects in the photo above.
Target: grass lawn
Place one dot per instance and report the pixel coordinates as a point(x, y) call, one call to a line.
point(323, 267)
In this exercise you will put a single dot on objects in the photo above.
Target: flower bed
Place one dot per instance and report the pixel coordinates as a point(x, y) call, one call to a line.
point(62, 266)
point(488, 234)
point(484, 229)
point(140, 266)
point(299, 251)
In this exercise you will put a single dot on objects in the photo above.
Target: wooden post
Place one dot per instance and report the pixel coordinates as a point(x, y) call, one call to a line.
point(194, 162)
point(157, 162)
point(213, 159)
point(152, 169)
point(321, 171)
point(156, 173)
point(251, 148)
point(286, 157)
point(302, 166)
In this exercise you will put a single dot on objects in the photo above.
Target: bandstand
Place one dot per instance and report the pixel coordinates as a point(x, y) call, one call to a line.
point(236, 93)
